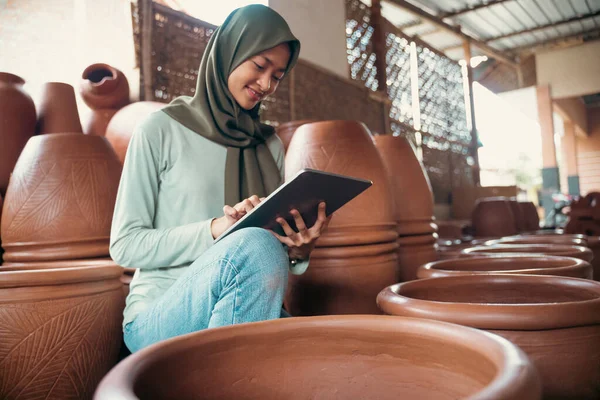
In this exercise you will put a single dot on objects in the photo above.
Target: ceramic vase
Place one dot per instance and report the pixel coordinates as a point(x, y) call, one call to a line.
point(286, 131)
point(57, 109)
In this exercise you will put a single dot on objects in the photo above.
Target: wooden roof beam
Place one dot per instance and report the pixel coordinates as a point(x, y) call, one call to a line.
point(550, 25)
point(465, 10)
point(555, 41)
point(485, 48)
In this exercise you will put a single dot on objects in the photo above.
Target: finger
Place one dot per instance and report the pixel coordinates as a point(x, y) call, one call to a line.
point(321, 218)
point(283, 239)
point(230, 212)
point(254, 200)
point(246, 206)
point(286, 227)
point(299, 221)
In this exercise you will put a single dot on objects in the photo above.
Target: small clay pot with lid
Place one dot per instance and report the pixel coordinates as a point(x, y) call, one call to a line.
point(580, 252)
point(502, 264)
point(347, 357)
point(554, 320)
point(60, 200)
point(61, 330)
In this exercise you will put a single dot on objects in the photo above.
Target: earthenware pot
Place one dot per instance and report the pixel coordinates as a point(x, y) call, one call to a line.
point(57, 109)
point(347, 357)
point(286, 131)
point(414, 251)
point(520, 224)
point(121, 126)
point(61, 330)
point(97, 121)
point(60, 200)
point(580, 252)
point(17, 123)
point(358, 235)
point(503, 264)
point(493, 216)
point(555, 320)
point(531, 219)
point(103, 86)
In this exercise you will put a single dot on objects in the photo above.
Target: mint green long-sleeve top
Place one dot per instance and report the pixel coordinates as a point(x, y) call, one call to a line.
point(171, 188)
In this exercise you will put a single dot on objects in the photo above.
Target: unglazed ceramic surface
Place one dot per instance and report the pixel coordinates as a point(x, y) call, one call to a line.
point(580, 252)
point(60, 200)
point(103, 86)
point(286, 131)
point(350, 357)
point(57, 109)
point(493, 216)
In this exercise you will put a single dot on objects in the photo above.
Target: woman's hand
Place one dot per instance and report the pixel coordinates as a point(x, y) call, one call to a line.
point(232, 214)
point(300, 244)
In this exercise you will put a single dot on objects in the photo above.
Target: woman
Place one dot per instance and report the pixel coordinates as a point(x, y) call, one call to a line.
point(191, 171)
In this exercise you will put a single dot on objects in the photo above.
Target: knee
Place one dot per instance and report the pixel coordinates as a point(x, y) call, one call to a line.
point(263, 252)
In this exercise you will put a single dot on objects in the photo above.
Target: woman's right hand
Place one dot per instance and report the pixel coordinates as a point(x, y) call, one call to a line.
point(232, 214)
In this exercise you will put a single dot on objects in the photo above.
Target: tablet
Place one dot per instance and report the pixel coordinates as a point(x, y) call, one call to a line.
point(303, 192)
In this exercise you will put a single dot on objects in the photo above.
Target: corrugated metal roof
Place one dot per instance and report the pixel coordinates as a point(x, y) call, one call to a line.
point(510, 26)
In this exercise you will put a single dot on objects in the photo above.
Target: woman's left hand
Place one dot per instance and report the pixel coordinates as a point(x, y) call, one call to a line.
point(300, 244)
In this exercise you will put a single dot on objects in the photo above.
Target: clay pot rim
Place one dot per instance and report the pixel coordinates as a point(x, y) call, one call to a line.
point(7, 77)
point(498, 316)
point(553, 248)
point(20, 278)
point(348, 252)
point(556, 264)
point(53, 264)
point(533, 241)
point(424, 239)
point(97, 66)
point(296, 123)
point(8, 244)
point(361, 227)
point(512, 365)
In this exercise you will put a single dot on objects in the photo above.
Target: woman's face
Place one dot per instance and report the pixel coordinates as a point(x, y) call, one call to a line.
point(258, 76)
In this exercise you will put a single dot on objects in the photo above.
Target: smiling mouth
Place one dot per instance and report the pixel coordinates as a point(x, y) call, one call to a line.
point(256, 96)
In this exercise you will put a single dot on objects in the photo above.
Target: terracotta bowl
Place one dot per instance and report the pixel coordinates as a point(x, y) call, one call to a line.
point(327, 358)
point(60, 330)
point(539, 239)
point(516, 264)
point(555, 320)
point(580, 252)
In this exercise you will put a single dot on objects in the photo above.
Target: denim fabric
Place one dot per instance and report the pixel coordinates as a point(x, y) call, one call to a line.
point(242, 278)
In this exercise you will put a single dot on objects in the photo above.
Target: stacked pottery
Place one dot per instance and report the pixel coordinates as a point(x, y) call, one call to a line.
point(493, 217)
point(57, 109)
point(520, 224)
point(122, 124)
point(344, 357)
point(531, 219)
point(515, 264)
point(357, 256)
point(17, 124)
point(61, 330)
point(413, 200)
point(286, 131)
point(555, 320)
point(584, 215)
point(105, 90)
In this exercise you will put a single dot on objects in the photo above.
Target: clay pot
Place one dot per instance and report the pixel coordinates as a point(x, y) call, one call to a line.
point(97, 121)
point(345, 283)
point(17, 123)
point(451, 250)
point(414, 251)
point(555, 320)
point(325, 358)
point(121, 126)
point(531, 219)
point(286, 130)
point(453, 229)
point(57, 109)
point(493, 216)
point(517, 264)
point(357, 254)
point(583, 253)
point(518, 216)
point(409, 182)
point(103, 86)
point(61, 330)
point(60, 200)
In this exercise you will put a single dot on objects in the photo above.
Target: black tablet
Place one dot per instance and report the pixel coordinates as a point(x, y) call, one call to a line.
point(303, 192)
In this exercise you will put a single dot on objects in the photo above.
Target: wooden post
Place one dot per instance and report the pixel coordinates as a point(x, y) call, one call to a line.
point(146, 11)
point(474, 142)
point(379, 47)
point(569, 148)
point(550, 174)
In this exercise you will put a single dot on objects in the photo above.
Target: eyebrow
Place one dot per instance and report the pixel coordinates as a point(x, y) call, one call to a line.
point(271, 62)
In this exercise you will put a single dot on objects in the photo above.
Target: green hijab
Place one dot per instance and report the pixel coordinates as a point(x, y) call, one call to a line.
point(213, 112)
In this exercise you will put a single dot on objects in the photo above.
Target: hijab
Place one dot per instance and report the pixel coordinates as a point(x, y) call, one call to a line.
point(214, 113)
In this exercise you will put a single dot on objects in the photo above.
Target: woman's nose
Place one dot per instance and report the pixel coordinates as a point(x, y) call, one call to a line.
point(265, 83)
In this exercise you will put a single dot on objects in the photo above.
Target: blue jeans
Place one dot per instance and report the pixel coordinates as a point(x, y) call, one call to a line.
point(242, 278)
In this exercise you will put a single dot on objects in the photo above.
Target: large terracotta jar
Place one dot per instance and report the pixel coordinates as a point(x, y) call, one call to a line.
point(345, 147)
point(520, 223)
point(105, 90)
point(60, 200)
point(121, 125)
point(286, 131)
point(17, 123)
point(502, 264)
point(580, 252)
point(57, 109)
point(493, 216)
point(531, 219)
point(555, 320)
point(61, 330)
point(350, 357)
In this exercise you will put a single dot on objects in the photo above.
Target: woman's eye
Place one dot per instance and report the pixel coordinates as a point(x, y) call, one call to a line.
point(259, 67)
point(278, 78)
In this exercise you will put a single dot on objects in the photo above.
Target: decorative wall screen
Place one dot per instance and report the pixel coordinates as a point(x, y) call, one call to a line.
point(444, 137)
